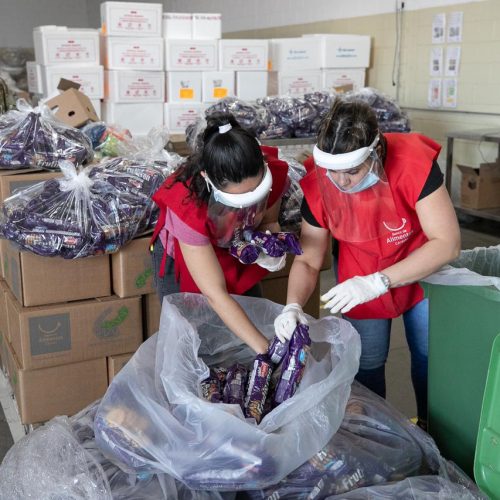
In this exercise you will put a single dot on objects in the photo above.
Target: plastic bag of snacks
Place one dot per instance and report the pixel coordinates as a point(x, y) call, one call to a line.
point(154, 416)
point(91, 211)
point(33, 137)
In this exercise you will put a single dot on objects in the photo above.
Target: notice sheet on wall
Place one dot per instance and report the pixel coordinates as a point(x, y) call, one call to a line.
point(450, 93)
point(452, 60)
point(438, 28)
point(455, 22)
point(436, 67)
point(434, 94)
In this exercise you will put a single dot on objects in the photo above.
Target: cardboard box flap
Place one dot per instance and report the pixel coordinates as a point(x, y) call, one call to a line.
point(466, 170)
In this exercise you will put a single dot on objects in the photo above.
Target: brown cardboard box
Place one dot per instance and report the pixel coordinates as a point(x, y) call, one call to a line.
point(276, 289)
point(480, 187)
point(36, 280)
point(4, 326)
point(12, 183)
point(3, 259)
point(59, 390)
point(152, 312)
point(131, 269)
point(116, 363)
point(73, 108)
point(75, 331)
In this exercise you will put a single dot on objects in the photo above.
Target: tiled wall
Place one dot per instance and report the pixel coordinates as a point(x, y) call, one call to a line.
point(478, 82)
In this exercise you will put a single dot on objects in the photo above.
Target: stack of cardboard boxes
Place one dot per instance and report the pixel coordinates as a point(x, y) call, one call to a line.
point(132, 53)
point(72, 54)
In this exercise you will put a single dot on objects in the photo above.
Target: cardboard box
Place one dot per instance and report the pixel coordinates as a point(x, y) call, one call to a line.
point(4, 325)
point(207, 26)
point(290, 54)
point(343, 80)
point(130, 53)
point(11, 183)
point(179, 116)
point(37, 280)
point(217, 85)
point(251, 85)
point(243, 55)
point(177, 25)
point(96, 104)
point(131, 19)
point(151, 313)
point(191, 55)
point(294, 83)
point(62, 45)
point(184, 86)
point(343, 51)
point(73, 108)
point(116, 363)
point(34, 76)
point(139, 117)
point(59, 390)
point(131, 269)
point(480, 187)
point(75, 331)
point(134, 86)
point(90, 79)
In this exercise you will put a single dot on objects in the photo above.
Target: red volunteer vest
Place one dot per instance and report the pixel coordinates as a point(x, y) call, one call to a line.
point(239, 277)
point(407, 166)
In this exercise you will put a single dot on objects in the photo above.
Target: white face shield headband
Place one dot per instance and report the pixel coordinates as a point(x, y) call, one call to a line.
point(243, 200)
point(343, 161)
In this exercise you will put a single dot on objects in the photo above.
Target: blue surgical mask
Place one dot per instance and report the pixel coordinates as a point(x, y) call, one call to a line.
point(370, 179)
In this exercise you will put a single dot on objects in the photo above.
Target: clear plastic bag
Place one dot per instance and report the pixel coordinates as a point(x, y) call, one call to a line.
point(89, 212)
point(154, 418)
point(33, 137)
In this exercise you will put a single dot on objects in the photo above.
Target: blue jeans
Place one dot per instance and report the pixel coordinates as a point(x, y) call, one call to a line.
point(375, 337)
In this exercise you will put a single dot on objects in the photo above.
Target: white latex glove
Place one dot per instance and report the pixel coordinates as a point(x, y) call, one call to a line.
point(272, 264)
point(286, 322)
point(353, 292)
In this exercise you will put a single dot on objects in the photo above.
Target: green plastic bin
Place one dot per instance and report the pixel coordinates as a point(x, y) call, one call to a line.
point(487, 458)
point(463, 323)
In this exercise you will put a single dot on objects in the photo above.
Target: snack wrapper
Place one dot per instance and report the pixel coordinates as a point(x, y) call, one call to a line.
point(258, 387)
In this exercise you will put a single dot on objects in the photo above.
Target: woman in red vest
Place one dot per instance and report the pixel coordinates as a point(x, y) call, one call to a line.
point(230, 183)
point(381, 196)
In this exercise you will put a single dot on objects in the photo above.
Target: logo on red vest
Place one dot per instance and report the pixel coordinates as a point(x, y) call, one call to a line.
point(399, 235)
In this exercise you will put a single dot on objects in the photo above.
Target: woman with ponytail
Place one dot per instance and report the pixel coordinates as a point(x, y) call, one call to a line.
point(228, 184)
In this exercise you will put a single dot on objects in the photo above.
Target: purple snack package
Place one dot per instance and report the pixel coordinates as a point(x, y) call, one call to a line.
point(211, 387)
point(277, 350)
point(293, 364)
point(291, 241)
point(269, 243)
point(245, 252)
point(234, 390)
point(258, 387)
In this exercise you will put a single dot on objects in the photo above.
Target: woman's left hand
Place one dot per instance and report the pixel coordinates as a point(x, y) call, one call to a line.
point(353, 292)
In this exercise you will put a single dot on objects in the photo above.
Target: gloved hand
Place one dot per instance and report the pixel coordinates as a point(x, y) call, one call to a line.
point(286, 322)
point(271, 263)
point(353, 292)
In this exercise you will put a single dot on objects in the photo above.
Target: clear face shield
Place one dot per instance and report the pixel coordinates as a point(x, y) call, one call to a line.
point(357, 196)
point(229, 213)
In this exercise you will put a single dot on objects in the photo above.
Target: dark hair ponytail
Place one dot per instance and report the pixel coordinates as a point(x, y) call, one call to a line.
point(349, 125)
point(232, 156)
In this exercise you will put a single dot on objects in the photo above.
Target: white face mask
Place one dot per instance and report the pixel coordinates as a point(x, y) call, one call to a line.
point(242, 200)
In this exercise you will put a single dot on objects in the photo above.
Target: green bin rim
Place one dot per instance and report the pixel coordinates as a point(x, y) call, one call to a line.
point(487, 456)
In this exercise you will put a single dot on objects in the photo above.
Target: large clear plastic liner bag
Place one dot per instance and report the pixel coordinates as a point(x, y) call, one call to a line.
point(479, 266)
point(34, 137)
point(153, 417)
point(89, 211)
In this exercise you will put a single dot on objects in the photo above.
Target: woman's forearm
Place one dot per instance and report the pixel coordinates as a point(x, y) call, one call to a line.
point(301, 282)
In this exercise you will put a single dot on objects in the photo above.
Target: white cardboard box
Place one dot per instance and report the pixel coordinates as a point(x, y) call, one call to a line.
point(290, 54)
point(134, 86)
point(90, 78)
point(61, 45)
point(131, 19)
point(179, 115)
point(344, 51)
point(184, 86)
point(191, 55)
point(335, 79)
point(207, 26)
point(34, 76)
point(217, 85)
point(141, 54)
point(139, 118)
point(243, 55)
point(177, 25)
point(251, 85)
point(296, 83)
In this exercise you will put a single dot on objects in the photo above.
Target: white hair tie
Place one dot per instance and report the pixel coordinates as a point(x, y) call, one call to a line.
point(225, 128)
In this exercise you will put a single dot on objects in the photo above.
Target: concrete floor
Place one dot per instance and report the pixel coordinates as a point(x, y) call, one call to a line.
point(399, 389)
